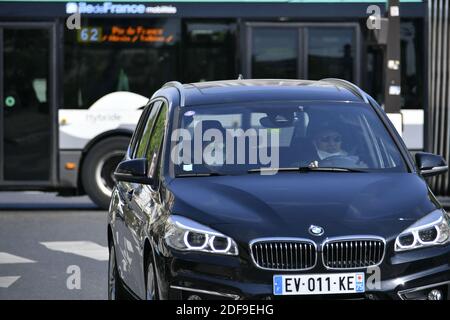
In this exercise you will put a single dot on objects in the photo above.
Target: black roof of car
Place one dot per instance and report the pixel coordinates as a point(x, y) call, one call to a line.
point(229, 91)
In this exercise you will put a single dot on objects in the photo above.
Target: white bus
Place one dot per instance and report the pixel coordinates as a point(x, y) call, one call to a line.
point(58, 134)
point(92, 142)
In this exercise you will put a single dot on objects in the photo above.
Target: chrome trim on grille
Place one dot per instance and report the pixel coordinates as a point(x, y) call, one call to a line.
point(213, 293)
point(363, 244)
point(280, 256)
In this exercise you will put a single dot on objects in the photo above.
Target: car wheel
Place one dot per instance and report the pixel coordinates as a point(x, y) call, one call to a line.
point(114, 284)
point(98, 169)
point(151, 287)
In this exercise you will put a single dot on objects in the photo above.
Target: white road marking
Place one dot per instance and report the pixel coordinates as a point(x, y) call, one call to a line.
point(7, 258)
point(5, 282)
point(87, 249)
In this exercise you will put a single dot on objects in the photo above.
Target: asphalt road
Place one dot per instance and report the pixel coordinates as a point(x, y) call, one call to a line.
point(51, 247)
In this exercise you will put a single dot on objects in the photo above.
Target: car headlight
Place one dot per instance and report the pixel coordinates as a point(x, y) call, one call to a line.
point(187, 235)
point(431, 230)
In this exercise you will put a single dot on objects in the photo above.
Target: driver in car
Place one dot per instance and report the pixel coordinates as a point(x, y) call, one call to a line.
point(328, 143)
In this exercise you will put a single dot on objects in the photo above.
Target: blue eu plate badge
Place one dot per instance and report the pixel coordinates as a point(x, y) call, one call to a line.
point(359, 283)
point(277, 285)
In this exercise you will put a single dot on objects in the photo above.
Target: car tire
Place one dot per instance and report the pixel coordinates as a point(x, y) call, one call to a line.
point(151, 284)
point(98, 168)
point(115, 290)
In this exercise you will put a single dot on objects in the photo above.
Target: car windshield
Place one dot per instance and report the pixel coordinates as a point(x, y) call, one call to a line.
point(229, 139)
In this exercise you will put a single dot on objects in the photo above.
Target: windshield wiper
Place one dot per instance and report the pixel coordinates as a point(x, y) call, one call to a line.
point(204, 174)
point(329, 169)
point(307, 169)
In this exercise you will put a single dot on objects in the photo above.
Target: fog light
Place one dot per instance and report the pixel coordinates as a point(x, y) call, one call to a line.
point(194, 297)
point(435, 294)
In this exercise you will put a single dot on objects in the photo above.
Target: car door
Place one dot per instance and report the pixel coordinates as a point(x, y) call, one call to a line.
point(118, 200)
point(123, 194)
point(147, 200)
point(137, 204)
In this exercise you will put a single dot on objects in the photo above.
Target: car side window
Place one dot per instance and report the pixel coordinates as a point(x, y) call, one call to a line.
point(145, 134)
point(156, 140)
point(139, 127)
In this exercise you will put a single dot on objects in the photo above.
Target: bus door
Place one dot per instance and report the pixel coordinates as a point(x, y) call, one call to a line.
point(27, 104)
point(302, 51)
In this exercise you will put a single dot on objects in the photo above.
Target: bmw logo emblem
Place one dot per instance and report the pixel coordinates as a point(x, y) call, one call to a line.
point(316, 230)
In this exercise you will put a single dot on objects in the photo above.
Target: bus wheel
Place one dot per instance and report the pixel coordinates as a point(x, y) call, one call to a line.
point(98, 169)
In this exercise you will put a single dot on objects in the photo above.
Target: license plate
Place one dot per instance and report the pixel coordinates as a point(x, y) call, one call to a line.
point(330, 283)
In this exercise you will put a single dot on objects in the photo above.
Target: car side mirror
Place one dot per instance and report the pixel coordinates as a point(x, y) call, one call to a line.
point(430, 164)
point(134, 170)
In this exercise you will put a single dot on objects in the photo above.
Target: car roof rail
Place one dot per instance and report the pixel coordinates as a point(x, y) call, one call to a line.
point(348, 85)
point(180, 88)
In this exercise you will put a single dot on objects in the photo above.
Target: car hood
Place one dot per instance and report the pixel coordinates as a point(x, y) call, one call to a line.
point(287, 204)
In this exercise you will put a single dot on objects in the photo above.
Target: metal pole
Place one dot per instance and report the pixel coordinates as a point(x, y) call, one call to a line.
point(392, 86)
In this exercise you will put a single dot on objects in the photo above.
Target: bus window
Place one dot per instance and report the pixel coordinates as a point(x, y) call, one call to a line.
point(108, 55)
point(331, 53)
point(209, 50)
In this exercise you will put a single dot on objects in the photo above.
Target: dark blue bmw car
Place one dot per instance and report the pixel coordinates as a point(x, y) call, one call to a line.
point(268, 189)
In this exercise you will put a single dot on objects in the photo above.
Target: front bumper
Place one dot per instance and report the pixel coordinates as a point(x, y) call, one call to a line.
point(409, 275)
